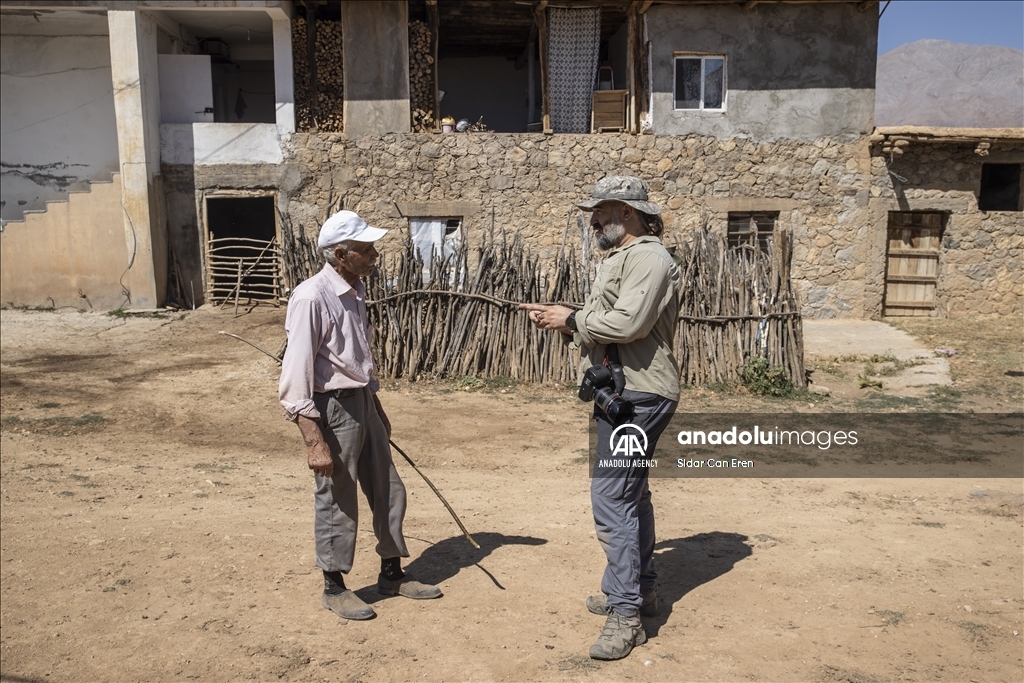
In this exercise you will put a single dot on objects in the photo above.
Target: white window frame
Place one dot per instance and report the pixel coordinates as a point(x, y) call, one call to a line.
point(676, 56)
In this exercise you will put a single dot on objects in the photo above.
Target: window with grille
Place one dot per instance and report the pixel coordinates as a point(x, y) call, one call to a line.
point(699, 82)
point(752, 229)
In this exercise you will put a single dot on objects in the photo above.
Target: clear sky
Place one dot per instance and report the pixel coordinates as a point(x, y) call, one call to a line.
point(976, 23)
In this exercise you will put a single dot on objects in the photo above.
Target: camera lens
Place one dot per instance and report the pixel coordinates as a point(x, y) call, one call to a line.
point(613, 405)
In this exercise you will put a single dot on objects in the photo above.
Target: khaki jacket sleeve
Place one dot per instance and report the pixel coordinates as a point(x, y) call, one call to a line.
point(643, 290)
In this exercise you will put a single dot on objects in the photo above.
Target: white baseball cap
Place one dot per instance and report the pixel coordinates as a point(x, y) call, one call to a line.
point(347, 225)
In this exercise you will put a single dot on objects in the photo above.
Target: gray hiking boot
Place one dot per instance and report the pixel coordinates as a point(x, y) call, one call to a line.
point(618, 637)
point(407, 588)
point(598, 604)
point(347, 605)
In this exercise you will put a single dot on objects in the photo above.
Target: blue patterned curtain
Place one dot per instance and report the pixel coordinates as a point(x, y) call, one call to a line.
point(574, 44)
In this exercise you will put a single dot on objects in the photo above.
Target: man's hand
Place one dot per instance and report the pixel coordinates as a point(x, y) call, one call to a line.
point(548, 317)
point(319, 455)
point(383, 415)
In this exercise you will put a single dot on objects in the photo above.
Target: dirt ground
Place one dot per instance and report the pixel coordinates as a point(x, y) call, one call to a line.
point(157, 526)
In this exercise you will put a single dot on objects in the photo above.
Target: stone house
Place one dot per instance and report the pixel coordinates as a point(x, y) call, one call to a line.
point(231, 127)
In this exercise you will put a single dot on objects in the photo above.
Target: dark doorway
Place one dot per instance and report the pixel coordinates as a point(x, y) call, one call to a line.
point(243, 252)
point(1000, 188)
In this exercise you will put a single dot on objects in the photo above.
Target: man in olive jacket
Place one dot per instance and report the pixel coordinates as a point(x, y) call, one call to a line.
point(632, 312)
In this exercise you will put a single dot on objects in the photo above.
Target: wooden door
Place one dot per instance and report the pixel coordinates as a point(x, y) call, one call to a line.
point(912, 262)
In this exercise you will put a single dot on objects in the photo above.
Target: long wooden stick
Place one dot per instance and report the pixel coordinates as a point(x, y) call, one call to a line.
point(437, 493)
point(246, 341)
point(483, 297)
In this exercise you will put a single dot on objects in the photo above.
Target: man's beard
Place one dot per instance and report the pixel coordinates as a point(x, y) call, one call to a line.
point(610, 235)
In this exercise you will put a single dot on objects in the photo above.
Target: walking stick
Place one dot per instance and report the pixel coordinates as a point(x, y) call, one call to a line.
point(395, 446)
point(433, 488)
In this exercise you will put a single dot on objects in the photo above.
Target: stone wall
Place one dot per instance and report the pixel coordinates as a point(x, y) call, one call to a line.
point(834, 194)
point(980, 265)
point(528, 182)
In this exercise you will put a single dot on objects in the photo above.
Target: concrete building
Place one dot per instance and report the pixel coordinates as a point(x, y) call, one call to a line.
point(224, 144)
point(102, 92)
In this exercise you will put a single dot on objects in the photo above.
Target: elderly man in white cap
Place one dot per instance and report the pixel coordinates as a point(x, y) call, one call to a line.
point(626, 332)
point(329, 390)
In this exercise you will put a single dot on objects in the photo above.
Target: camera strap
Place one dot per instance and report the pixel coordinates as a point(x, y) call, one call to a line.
point(611, 361)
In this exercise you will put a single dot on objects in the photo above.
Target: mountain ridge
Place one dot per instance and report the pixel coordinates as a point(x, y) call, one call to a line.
point(940, 83)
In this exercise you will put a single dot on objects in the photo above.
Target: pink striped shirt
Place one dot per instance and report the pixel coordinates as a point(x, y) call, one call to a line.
point(328, 342)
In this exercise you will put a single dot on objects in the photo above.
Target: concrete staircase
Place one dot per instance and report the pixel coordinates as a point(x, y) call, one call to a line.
point(73, 253)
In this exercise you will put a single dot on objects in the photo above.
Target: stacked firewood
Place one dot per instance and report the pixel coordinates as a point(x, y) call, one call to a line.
point(421, 78)
point(329, 76)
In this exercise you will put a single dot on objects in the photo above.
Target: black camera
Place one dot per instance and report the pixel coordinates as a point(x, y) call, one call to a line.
point(602, 384)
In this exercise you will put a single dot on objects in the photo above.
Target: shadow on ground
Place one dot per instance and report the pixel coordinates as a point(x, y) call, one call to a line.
point(444, 559)
point(683, 564)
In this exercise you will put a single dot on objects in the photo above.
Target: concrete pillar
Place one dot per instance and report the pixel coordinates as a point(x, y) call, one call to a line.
point(376, 53)
point(133, 66)
point(284, 76)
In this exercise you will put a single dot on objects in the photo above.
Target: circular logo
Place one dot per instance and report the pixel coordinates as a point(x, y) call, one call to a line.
point(629, 440)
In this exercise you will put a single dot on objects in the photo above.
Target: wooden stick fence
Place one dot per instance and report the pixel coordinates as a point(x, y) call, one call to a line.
point(736, 303)
point(462, 319)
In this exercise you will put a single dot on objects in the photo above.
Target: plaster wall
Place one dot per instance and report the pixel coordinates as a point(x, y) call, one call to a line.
point(58, 123)
point(793, 71)
point(376, 58)
point(254, 83)
point(186, 88)
point(205, 144)
point(284, 77)
point(71, 255)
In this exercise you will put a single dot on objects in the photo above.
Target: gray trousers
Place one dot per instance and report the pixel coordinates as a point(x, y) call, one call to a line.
point(623, 513)
point(359, 447)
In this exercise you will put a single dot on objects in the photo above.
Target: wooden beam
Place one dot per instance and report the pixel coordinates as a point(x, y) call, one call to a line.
point(646, 6)
point(865, 6)
point(434, 23)
point(631, 60)
point(314, 99)
point(541, 18)
point(643, 71)
point(747, 6)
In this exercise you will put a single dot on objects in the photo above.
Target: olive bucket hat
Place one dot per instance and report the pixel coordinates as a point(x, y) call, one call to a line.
point(621, 188)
